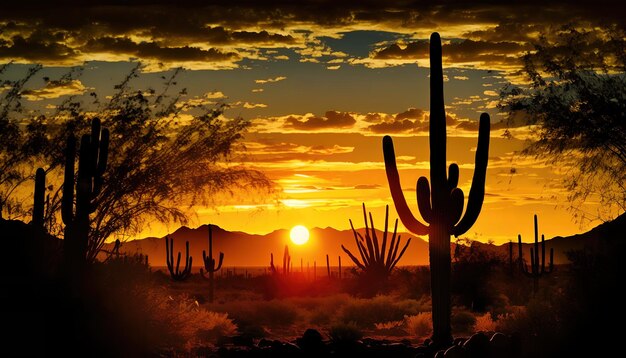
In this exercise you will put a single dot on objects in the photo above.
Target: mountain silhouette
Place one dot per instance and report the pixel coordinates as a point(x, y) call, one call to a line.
point(243, 249)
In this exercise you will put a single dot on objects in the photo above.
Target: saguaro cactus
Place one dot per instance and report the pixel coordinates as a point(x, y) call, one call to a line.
point(536, 269)
point(286, 261)
point(210, 266)
point(39, 198)
point(175, 272)
point(92, 162)
point(441, 202)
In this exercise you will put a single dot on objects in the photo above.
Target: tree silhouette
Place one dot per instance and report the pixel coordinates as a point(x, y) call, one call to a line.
point(166, 154)
point(577, 97)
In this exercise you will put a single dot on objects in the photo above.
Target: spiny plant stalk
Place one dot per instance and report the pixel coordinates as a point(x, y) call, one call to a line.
point(511, 266)
point(272, 267)
point(210, 266)
point(175, 272)
point(286, 261)
point(377, 260)
point(440, 202)
point(328, 266)
point(536, 269)
point(340, 267)
point(92, 162)
point(39, 199)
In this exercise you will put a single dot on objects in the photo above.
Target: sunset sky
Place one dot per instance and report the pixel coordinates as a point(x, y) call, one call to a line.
point(322, 81)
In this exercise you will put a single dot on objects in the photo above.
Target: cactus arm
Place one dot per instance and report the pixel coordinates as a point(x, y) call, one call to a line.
point(477, 190)
point(67, 202)
point(405, 214)
point(456, 206)
point(221, 261)
point(453, 176)
point(423, 199)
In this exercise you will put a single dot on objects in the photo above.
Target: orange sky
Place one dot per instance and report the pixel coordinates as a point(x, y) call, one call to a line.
point(322, 88)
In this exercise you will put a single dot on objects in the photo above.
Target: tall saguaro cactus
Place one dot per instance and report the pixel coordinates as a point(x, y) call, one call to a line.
point(536, 269)
point(92, 162)
point(440, 202)
point(210, 265)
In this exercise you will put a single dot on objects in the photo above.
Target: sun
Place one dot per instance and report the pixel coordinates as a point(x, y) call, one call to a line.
point(299, 235)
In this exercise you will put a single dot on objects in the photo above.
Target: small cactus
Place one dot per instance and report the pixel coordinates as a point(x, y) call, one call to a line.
point(210, 265)
point(536, 270)
point(286, 261)
point(175, 272)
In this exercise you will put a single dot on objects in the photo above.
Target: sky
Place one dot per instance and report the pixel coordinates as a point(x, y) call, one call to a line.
point(322, 82)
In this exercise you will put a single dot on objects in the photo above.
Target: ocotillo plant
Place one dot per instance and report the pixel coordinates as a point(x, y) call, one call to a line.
point(92, 162)
point(175, 272)
point(441, 202)
point(377, 260)
point(39, 196)
point(536, 269)
point(210, 265)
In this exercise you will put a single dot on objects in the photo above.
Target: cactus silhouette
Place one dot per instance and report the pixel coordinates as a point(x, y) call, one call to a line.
point(536, 269)
point(210, 266)
point(272, 267)
point(328, 266)
point(175, 272)
point(440, 202)
point(39, 196)
point(286, 261)
point(92, 162)
point(376, 259)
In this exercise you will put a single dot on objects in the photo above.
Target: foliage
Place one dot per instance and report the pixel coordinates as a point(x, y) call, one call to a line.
point(366, 313)
point(485, 323)
point(420, 325)
point(462, 321)
point(166, 153)
point(577, 99)
point(345, 333)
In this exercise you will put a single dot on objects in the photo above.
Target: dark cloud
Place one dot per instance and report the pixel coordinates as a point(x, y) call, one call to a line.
point(152, 50)
point(411, 113)
point(332, 119)
point(178, 27)
point(504, 52)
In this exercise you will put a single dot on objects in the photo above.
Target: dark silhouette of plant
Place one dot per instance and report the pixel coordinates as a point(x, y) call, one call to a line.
point(272, 267)
point(286, 261)
point(328, 266)
point(175, 272)
point(166, 154)
point(377, 261)
point(441, 205)
point(210, 265)
point(39, 199)
point(575, 97)
point(92, 162)
point(536, 270)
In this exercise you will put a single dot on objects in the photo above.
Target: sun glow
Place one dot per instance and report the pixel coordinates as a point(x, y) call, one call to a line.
point(299, 235)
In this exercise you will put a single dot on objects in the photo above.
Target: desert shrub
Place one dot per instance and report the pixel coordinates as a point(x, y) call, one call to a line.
point(274, 313)
point(485, 323)
point(320, 316)
point(345, 333)
point(420, 325)
point(367, 312)
point(462, 321)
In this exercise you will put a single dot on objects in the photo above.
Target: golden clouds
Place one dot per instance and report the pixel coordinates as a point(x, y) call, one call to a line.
point(56, 89)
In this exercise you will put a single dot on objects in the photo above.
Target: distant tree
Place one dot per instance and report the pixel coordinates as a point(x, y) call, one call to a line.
point(166, 155)
point(577, 99)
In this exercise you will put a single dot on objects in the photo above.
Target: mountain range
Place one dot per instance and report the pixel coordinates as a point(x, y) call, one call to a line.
point(243, 249)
